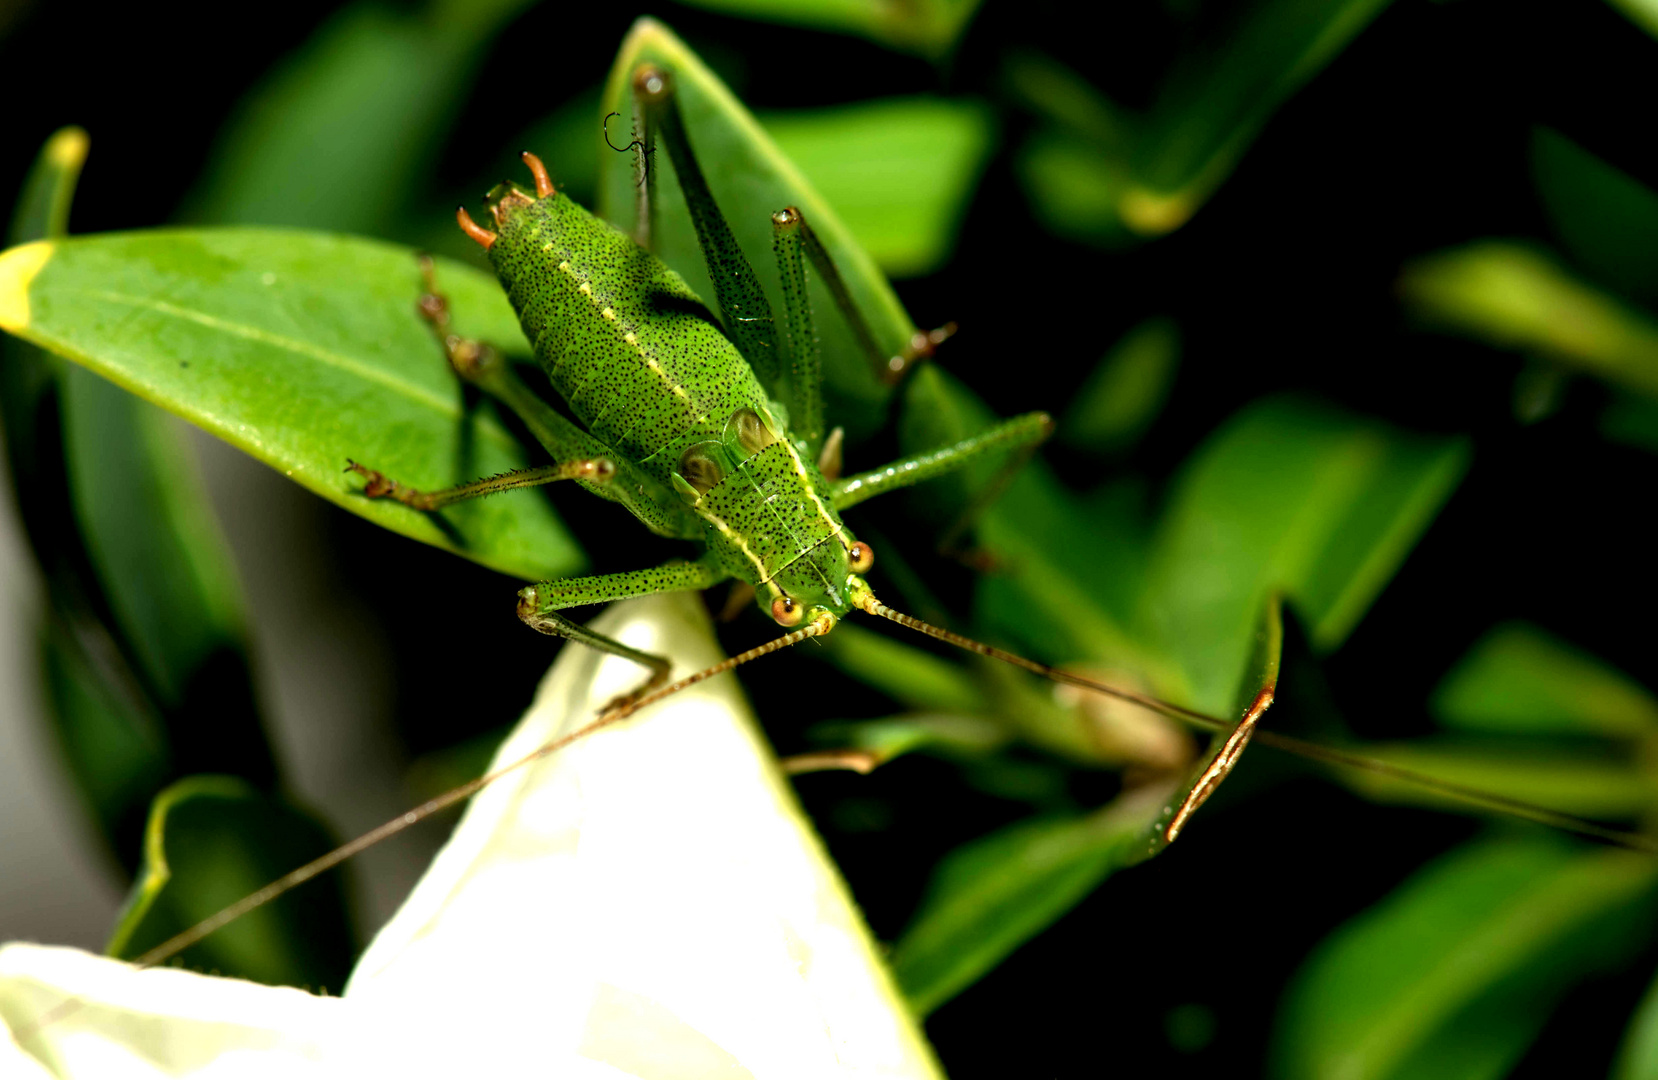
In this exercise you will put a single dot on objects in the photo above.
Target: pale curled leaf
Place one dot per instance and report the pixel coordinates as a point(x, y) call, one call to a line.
point(650, 900)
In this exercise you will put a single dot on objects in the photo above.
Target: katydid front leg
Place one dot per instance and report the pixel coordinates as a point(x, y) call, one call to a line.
point(539, 607)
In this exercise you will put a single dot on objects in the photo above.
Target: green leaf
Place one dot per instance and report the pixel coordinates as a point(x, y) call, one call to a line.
point(1455, 972)
point(1631, 420)
point(211, 840)
point(1118, 402)
point(1638, 1057)
point(751, 179)
point(910, 676)
point(1572, 780)
point(305, 350)
point(1607, 219)
point(1643, 13)
point(1519, 679)
point(1291, 497)
point(1516, 298)
point(145, 638)
point(1256, 690)
point(928, 28)
point(1100, 175)
point(990, 896)
point(899, 171)
point(344, 130)
point(1219, 98)
point(165, 569)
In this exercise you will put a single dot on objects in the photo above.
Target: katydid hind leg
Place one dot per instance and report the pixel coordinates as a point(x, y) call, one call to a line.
point(803, 382)
point(743, 306)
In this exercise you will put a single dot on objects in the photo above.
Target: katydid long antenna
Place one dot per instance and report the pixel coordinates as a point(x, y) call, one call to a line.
point(1239, 734)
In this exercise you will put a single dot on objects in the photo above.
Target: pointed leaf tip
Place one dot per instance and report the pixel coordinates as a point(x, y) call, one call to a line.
point(18, 268)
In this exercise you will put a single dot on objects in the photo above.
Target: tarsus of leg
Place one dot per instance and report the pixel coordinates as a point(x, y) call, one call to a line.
point(1542, 815)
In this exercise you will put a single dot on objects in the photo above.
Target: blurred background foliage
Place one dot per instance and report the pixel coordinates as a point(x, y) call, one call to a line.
point(1346, 302)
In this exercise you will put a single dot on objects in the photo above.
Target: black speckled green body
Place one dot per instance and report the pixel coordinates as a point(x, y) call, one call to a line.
point(645, 368)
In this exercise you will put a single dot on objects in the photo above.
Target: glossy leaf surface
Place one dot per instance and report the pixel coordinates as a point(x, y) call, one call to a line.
point(304, 350)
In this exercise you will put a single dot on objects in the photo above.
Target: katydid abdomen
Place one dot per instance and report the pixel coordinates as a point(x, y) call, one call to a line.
point(645, 369)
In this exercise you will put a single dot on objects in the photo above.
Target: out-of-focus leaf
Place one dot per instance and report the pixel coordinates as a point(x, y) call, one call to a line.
point(751, 179)
point(1056, 569)
point(339, 136)
point(898, 171)
point(212, 840)
point(1291, 497)
point(1631, 420)
point(1075, 187)
point(165, 569)
point(1099, 175)
point(1519, 679)
point(1517, 298)
point(303, 349)
point(1055, 92)
point(1638, 1057)
point(144, 644)
point(910, 676)
point(1643, 13)
point(949, 733)
point(1217, 101)
point(1607, 219)
point(1574, 781)
point(927, 28)
point(1126, 390)
point(990, 896)
point(112, 736)
point(1455, 972)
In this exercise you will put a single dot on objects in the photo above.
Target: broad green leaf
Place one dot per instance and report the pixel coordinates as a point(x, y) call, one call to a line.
point(898, 171)
point(1295, 498)
point(928, 28)
point(305, 350)
point(212, 840)
point(1126, 391)
point(1519, 679)
point(1572, 780)
point(751, 179)
point(990, 896)
point(1455, 972)
point(346, 128)
point(1607, 219)
point(1517, 298)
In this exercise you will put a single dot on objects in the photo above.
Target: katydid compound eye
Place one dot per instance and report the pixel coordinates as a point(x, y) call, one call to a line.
point(860, 557)
point(787, 611)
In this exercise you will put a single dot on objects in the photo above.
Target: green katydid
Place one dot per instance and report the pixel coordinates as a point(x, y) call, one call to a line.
point(712, 462)
point(705, 430)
